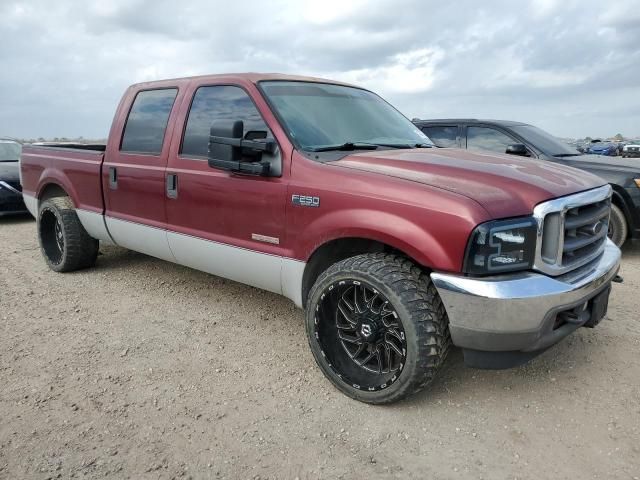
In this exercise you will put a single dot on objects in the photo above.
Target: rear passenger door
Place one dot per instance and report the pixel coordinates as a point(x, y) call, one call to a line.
point(446, 136)
point(133, 173)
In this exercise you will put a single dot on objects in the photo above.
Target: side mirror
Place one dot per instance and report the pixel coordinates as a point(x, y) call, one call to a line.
point(228, 148)
point(517, 149)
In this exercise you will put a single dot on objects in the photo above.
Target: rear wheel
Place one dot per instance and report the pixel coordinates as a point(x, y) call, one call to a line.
point(377, 327)
point(618, 228)
point(65, 244)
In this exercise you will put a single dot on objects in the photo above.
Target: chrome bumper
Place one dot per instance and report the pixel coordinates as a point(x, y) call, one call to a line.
point(516, 312)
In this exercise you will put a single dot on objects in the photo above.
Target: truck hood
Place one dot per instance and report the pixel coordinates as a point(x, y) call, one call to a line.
point(505, 185)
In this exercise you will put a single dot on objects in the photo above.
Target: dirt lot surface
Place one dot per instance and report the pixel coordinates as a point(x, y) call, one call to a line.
point(143, 369)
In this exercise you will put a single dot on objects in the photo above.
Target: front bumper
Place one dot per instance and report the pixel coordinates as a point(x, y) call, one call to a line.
point(505, 320)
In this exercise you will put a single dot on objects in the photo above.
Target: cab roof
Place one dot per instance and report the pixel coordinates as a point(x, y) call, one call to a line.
point(503, 123)
point(251, 77)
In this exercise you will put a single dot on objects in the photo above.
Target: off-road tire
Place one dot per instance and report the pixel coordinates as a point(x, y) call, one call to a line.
point(411, 293)
point(79, 249)
point(618, 228)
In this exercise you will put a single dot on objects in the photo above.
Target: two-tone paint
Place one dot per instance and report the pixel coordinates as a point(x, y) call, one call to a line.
point(424, 203)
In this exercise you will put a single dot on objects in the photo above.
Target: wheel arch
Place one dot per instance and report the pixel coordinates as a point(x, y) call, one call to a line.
point(619, 199)
point(337, 249)
point(50, 190)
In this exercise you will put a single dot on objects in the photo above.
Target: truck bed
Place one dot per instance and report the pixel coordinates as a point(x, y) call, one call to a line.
point(98, 147)
point(76, 167)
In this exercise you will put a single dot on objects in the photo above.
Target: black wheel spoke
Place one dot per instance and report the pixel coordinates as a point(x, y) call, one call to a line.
point(346, 326)
point(387, 356)
point(379, 355)
point(394, 347)
point(394, 333)
point(367, 359)
point(359, 309)
point(345, 313)
point(347, 338)
point(359, 350)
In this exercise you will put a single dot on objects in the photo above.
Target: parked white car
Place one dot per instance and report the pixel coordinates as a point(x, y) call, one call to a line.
point(631, 150)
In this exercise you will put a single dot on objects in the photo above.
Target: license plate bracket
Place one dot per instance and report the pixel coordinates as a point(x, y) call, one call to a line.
point(598, 306)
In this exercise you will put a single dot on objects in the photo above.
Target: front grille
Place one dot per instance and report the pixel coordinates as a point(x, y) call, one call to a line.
point(572, 231)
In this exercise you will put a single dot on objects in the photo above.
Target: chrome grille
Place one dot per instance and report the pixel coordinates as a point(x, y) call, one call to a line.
point(572, 230)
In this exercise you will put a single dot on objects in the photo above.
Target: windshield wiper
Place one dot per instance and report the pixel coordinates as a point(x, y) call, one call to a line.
point(406, 145)
point(345, 146)
point(367, 146)
point(561, 155)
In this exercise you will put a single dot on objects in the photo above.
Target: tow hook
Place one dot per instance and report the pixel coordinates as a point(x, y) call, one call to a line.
point(617, 279)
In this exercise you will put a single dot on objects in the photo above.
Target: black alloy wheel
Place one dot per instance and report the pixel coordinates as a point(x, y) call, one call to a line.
point(361, 335)
point(51, 235)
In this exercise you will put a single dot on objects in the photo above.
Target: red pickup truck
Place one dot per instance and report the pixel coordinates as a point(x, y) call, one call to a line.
point(324, 193)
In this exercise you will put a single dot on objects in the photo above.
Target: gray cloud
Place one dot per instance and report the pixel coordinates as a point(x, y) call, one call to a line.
point(570, 67)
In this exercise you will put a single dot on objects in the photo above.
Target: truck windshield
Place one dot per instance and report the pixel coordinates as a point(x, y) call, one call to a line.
point(10, 151)
point(319, 116)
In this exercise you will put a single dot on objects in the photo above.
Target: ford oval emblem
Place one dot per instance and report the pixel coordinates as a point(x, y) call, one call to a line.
point(596, 228)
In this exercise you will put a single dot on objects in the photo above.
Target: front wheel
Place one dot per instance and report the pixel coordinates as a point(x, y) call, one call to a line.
point(618, 229)
point(65, 244)
point(377, 327)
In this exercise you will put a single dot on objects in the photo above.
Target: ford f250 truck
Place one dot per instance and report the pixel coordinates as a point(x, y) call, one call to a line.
point(324, 193)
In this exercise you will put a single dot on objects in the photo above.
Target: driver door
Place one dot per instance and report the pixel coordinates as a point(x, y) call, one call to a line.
point(224, 223)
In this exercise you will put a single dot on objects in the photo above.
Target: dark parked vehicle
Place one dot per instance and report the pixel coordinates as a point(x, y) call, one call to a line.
point(516, 138)
point(11, 202)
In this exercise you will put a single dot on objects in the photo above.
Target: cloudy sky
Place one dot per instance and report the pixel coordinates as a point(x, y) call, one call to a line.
point(570, 67)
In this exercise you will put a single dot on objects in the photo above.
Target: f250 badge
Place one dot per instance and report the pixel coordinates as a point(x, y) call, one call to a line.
point(305, 200)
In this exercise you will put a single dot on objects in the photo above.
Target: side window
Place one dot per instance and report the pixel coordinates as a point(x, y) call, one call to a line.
point(484, 138)
point(443, 135)
point(147, 121)
point(221, 102)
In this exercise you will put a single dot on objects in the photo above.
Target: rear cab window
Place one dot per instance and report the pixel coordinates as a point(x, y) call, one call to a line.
point(146, 124)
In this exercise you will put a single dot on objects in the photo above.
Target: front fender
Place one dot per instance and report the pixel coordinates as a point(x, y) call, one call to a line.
point(398, 232)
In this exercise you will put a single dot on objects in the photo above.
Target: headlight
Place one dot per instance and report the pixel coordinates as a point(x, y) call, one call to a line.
point(501, 246)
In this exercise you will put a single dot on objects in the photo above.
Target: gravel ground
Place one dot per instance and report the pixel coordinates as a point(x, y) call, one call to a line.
point(143, 369)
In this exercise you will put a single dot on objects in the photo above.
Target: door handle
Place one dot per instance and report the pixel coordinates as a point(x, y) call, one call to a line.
point(172, 185)
point(113, 178)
